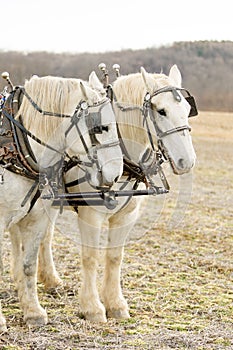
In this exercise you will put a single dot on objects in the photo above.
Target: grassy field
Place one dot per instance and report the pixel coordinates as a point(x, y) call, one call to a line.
point(177, 276)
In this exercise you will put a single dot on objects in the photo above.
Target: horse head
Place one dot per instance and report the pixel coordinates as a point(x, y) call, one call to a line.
point(101, 155)
point(169, 111)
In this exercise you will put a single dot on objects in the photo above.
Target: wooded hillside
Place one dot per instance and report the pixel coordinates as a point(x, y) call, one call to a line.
point(207, 67)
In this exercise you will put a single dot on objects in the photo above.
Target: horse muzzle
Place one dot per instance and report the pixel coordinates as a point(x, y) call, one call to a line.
point(182, 166)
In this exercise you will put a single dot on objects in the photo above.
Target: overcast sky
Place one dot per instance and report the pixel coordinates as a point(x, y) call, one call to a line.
point(106, 25)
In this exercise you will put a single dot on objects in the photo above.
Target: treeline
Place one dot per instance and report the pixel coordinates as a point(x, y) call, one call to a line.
point(206, 66)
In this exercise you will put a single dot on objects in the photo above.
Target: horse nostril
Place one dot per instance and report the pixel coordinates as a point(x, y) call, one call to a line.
point(181, 163)
point(116, 179)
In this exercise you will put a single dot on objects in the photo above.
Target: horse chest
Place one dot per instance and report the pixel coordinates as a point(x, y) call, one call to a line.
point(12, 191)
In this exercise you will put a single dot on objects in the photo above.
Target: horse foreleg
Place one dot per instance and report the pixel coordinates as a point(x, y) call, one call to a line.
point(90, 226)
point(113, 299)
point(47, 273)
point(2, 318)
point(1, 242)
point(16, 251)
point(120, 225)
point(91, 306)
point(3, 327)
point(30, 234)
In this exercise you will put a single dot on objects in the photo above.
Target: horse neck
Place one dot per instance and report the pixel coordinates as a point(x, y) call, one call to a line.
point(52, 95)
point(130, 91)
point(133, 133)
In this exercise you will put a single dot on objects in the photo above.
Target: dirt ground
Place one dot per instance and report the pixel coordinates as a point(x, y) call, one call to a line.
point(177, 274)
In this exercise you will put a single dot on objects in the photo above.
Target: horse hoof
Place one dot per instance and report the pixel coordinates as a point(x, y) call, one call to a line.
point(118, 314)
point(50, 282)
point(95, 317)
point(53, 284)
point(36, 321)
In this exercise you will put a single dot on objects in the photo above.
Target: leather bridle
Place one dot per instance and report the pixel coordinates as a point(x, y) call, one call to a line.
point(148, 110)
point(159, 155)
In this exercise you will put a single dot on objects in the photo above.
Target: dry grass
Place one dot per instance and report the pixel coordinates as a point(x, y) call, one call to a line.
point(178, 281)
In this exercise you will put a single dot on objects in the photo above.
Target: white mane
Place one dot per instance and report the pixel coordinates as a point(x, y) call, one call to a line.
point(130, 91)
point(51, 94)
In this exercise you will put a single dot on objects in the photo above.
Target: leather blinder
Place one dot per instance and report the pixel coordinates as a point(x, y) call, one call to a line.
point(193, 111)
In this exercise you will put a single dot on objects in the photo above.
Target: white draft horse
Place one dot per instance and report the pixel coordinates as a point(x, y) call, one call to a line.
point(55, 112)
point(167, 120)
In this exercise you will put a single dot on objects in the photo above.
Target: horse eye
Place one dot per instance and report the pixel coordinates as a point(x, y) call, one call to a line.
point(162, 112)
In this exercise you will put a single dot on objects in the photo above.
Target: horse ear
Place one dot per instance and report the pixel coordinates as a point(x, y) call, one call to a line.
point(148, 80)
point(84, 90)
point(175, 75)
point(95, 83)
